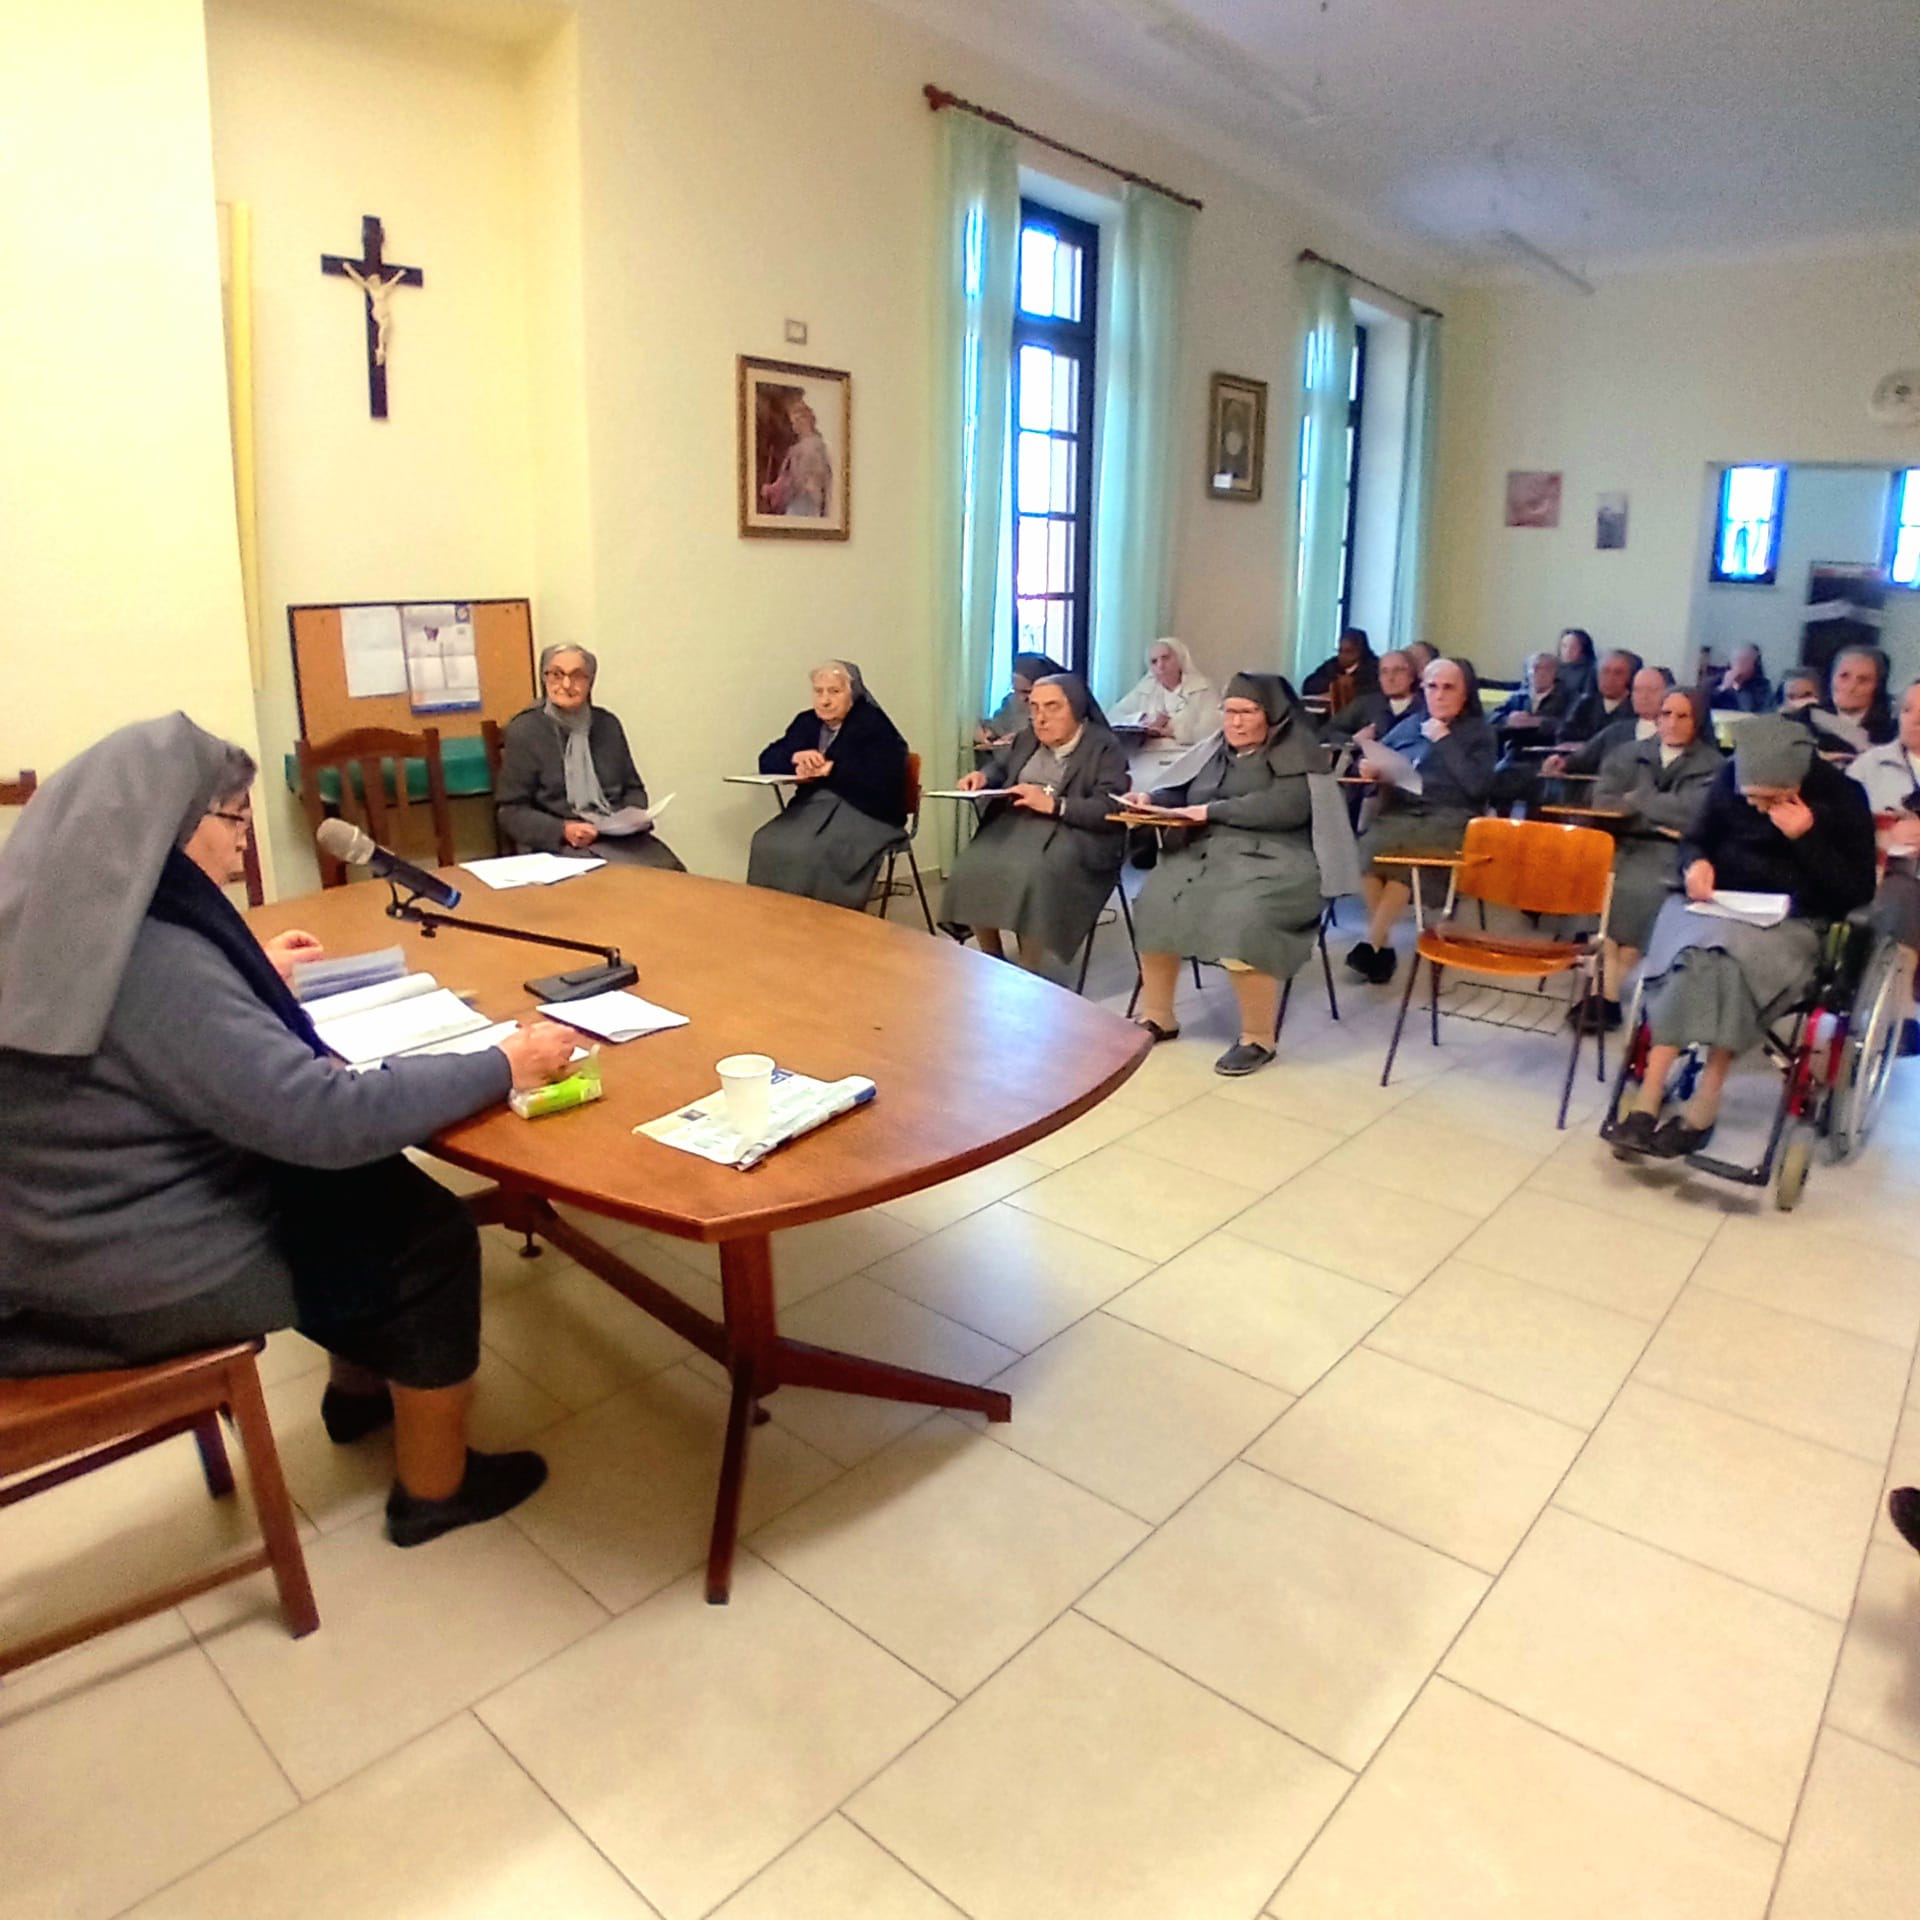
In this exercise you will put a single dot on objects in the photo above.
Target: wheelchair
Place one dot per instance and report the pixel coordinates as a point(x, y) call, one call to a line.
point(1834, 1048)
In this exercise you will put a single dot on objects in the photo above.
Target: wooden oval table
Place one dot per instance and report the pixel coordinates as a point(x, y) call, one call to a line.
point(972, 1059)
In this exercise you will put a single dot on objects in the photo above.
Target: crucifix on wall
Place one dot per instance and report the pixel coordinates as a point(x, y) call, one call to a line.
point(376, 278)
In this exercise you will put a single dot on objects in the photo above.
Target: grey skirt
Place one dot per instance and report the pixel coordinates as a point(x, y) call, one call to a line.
point(1439, 831)
point(1024, 873)
point(824, 848)
point(1645, 878)
point(1722, 983)
point(634, 850)
point(1234, 896)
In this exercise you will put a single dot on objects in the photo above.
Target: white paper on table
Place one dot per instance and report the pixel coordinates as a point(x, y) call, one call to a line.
point(761, 779)
point(529, 869)
point(375, 656)
point(631, 819)
point(1393, 768)
point(443, 665)
point(616, 1016)
point(1756, 909)
point(796, 1105)
point(405, 1025)
point(958, 793)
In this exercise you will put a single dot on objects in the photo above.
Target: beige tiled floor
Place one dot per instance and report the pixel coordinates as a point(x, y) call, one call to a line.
point(1408, 1514)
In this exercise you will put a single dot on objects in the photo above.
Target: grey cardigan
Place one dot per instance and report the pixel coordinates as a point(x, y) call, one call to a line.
point(141, 1176)
point(531, 797)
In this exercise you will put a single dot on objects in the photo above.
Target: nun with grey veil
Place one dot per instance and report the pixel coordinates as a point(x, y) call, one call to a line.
point(567, 781)
point(849, 803)
point(184, 1165)
point(1245, 883)
point(1045, 856)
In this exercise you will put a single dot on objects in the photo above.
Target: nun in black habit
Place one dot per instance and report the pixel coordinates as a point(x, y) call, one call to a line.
point(851, 804)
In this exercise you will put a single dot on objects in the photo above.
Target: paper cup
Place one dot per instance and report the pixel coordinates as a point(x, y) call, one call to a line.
point(747, 1081)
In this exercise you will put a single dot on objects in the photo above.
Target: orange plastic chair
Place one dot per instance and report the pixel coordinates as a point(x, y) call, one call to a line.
point(1533, 867)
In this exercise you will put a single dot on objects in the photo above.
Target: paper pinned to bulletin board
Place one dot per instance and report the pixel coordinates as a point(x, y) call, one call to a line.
point(443, 664)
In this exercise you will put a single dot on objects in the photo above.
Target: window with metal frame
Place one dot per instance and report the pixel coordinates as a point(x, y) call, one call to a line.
point(1052, 454)
point(1903, 530)
point(1746, 540)
point(1356, 404)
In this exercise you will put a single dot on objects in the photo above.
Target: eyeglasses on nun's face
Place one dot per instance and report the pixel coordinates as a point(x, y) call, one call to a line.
point(243, 822)
point(569, 677)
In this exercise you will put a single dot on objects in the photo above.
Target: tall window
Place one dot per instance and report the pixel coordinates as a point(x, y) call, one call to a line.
point(1903, 532)
point(1356, 401)
point(1746, 546)
point(1053, 326)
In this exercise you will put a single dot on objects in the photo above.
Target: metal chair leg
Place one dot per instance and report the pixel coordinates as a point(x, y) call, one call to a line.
point(1580, 1008)
point(919, 886)
point(1195, 965)
point(1433, 995)
point(886, 885)
point(1280, 1018)
point(1400, 1020)
point(1326, 963)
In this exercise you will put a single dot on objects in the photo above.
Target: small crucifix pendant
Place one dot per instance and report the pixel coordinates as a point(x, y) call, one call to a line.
point(376, 278)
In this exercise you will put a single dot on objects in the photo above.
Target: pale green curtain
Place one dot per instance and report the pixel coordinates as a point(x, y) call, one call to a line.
point(1141, 456)
point(1416, 482)
point(979, 229)
point(1327, 384)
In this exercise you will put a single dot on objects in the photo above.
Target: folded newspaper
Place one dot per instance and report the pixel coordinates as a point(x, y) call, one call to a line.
point(798, 1105)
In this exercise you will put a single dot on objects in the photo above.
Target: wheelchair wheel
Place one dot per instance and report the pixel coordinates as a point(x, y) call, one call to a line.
point(1795, 1158)
point(1873, 1045)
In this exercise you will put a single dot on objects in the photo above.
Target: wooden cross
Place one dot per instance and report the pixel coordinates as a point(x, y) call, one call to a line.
point(376, 278)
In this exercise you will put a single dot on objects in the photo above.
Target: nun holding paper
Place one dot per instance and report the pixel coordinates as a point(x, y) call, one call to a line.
point(567, 779)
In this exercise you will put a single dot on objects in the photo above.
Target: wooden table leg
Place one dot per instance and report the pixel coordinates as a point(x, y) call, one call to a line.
point(746, 1281)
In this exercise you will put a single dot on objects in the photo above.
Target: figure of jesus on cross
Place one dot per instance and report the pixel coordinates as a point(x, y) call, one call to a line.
point(376, 280)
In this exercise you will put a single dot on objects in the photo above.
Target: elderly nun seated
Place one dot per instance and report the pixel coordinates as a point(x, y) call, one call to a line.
point(1658, 785)
point(1046, 856)
point(567, 779)
point(850, 805)
point(1777, 820)
point(183, 1164)
point(1270, 844)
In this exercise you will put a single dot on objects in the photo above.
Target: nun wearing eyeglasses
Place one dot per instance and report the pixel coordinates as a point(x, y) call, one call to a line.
point(849, 803)
point(184, 1165)
point(567, 779)
point(1046, 856)
point(1245, 885)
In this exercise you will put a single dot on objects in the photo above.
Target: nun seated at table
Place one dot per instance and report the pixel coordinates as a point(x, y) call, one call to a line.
point(1011, 715)
point(567, 773)
point(1451, 750)
point(1777, 819)
point(1659, 785)
point(850, 805)
point(1046, 856)
point(1174, 701)
point(1269, 845)
point(184, 1165)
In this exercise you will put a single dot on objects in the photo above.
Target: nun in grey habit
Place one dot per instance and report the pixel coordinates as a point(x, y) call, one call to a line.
point(565, 764)
point(850, 806)
point(1246, 885)
point(1044, 859)
point(184, 1165)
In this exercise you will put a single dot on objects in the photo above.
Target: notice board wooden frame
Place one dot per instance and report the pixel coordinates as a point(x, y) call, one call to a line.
point(503, 642)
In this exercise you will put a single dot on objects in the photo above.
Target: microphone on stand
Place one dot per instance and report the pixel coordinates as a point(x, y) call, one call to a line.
point(342, 840)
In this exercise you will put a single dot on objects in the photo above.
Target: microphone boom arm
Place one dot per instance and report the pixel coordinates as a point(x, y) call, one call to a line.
point(429, 921)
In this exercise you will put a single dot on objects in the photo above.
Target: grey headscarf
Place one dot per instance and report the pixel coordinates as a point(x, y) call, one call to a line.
point(1291, 748)
point(77, 874)
point(584, 791)
point(1771, 752)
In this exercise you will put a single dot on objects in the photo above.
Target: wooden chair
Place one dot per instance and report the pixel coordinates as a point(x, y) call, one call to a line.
point(493, 741)
point(365, 751)
point(883, 892)
point(16, 793)
point(1532, 867)
point(55, 1428)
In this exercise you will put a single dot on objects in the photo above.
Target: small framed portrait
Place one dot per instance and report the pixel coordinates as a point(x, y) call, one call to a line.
point(1533, 499)
point(1236, 438)
point(1610, 523)
point(796, 433)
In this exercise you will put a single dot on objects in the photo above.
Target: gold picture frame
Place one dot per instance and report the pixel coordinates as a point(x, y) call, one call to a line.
point(1236, 438)
point(793, 478)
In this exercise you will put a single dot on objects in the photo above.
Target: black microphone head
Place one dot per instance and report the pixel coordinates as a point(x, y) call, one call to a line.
point(342, 840)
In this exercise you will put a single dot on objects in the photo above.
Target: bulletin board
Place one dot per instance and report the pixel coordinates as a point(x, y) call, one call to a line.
point(502, 653)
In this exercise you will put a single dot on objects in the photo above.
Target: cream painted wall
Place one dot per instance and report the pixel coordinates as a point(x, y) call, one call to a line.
point(117, 540)
point(1639, 388)
point(749, 162)
point(319, 116)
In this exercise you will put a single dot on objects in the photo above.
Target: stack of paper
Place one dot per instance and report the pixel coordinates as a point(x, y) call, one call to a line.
point(631, 819)
point(529, 869)
point(412, 1015)
point(1390, 766)
point(977, 793)
point(1756, 909)
point(615, 1016)
point(317, 979)
point(799, 1104)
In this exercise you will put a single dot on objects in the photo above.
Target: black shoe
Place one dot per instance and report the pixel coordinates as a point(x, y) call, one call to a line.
point(1244, 1056)
point(1386, 963)
point(1909, 1037)
point(1611, 1017)
point(1159, 1032)
point(1595, 1015)
point(1634, 1134)
point(494, 1484)
point(1903, 1509)
point(1676, 1139)
point(1360, 960)
point(348, 1417)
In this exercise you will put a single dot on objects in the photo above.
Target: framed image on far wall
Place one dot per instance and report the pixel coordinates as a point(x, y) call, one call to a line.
point(796, 433)
point(1236, 438)
point(1533, 499)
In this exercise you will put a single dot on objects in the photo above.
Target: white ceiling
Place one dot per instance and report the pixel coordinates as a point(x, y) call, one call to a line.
point(1600, 130)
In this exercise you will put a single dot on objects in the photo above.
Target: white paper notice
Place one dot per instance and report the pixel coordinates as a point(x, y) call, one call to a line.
point(376, 657)
point(443, 666)
point(614, 1016)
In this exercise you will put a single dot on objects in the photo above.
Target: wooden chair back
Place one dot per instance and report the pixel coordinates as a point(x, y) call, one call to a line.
point(57, 1427)
point(913, 793)
point(17, 792)
point(1534, 866)
point(359, 758)
point(493, 741)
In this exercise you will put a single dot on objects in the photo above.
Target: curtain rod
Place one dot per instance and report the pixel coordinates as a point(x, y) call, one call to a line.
point(939, 97)
point(1320, 259)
